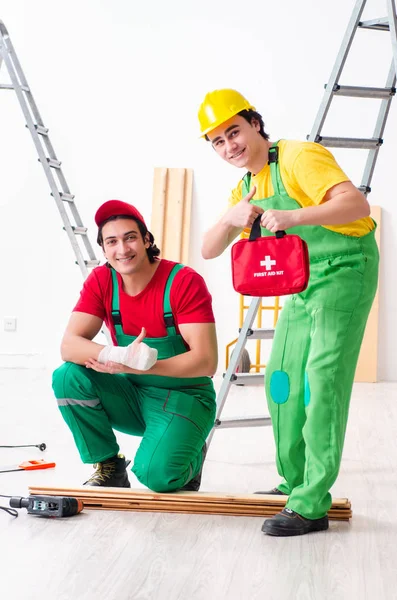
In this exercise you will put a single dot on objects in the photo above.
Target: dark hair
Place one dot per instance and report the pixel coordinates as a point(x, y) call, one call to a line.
point(152, 251)
point(250, 115)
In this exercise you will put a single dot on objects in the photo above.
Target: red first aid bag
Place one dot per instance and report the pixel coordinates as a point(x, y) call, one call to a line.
point(270, 266)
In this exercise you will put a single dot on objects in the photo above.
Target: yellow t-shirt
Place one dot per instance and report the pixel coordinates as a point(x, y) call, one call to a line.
point(308, 171)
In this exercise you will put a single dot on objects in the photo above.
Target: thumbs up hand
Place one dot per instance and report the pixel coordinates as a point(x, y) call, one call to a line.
point(244, 213)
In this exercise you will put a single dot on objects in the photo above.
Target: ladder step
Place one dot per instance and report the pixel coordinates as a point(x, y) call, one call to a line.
point(9, 86)
point(364, 189)
point(260, 334)
point(248, 378)
point(66, 197)
point(55, 164)
point(78, 230)
point(381, 24)
point(363, 92)
point(41, 129)
point(361, 143)
point(242, 422)
point(90, 263)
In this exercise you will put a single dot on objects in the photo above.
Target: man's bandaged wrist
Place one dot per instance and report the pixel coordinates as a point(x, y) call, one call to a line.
point(136, 356)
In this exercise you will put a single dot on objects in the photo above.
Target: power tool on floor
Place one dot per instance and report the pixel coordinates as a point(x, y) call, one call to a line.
point(48, 506)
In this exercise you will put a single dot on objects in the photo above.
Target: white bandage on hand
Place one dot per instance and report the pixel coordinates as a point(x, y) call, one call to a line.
point(137, 355)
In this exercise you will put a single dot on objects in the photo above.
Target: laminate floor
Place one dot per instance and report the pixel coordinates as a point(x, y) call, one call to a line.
point(130, 556)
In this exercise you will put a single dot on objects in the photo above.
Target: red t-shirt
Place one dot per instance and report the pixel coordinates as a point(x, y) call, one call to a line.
point(190, 300)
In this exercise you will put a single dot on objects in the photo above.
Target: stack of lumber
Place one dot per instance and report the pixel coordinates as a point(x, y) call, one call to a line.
point(250, 505)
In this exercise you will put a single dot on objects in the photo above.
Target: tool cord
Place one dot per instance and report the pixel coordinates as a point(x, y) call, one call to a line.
point(10, 511)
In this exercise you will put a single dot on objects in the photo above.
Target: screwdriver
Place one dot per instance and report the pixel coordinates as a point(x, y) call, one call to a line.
point(48, 506)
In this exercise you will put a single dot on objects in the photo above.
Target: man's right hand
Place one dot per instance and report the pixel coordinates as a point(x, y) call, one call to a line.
point(243, 214)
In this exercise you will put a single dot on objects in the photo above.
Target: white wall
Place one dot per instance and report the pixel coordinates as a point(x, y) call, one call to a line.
point(119, 83)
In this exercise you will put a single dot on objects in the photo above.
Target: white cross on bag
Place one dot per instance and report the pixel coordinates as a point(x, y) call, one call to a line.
point(268, 263)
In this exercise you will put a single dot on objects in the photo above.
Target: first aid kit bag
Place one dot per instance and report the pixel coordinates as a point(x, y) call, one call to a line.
point(270, 266)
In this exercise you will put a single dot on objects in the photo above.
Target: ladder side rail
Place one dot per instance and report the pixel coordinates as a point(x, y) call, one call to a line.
point(45, 165)
point(378, 131)
point(238, 350)
point(337, 70)
point(37, 139)
point(391, 10)
point(22, 81)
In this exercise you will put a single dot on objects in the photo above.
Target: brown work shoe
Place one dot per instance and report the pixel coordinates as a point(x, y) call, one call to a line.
point(110, 473)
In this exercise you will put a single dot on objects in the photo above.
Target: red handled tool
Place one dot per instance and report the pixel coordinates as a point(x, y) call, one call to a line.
point(28, 465)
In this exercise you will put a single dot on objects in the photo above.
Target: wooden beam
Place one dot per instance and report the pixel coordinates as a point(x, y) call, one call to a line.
point(171, 212)
point(254, 505)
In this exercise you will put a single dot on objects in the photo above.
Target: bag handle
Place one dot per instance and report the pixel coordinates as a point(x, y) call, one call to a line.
point(256, 230)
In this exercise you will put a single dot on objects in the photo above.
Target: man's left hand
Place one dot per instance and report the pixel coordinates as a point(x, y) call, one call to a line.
point(278, 220)
point(112, 368)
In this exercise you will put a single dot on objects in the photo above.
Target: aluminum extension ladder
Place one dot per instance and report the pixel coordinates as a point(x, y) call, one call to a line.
point(332, 89)
point(47, 157)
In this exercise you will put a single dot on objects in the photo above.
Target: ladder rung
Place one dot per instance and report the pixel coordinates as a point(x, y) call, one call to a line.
point(248, 378)
point(363, 92)
point(381, 24)
point(90, 263)
point(66, 197)
point(260, 334)
point(361, 143)
point(364, 189)
point(41, 129)
point(9, 86)
point(56, 164)
point(78, 230)
point(242, 422)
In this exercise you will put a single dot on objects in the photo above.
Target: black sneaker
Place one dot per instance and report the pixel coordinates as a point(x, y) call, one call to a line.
point(288, 522)
point(273, 492)
point(194, 484)
point(111, 473)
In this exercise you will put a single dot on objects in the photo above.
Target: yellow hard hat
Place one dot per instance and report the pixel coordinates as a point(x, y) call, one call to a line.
point(218, 107)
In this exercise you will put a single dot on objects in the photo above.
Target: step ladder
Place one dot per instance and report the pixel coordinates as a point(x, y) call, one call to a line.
point(64, 199)
point(332, 89)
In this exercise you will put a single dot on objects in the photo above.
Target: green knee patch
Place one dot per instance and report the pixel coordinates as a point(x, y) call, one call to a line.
point(279, 387)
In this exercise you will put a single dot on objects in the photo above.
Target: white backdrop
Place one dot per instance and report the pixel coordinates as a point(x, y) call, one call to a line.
point(119, 83)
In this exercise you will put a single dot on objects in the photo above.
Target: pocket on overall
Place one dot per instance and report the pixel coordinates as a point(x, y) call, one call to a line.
point(191, 408)
point(355, 263)
point(343, 281)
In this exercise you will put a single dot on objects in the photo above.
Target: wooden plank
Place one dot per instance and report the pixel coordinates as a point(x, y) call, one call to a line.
point(367, 366)
point(186, 503)
point(171, 212)
point(130, 493)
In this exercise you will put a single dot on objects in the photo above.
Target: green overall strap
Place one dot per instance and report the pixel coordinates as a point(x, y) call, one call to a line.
point(277, 182)
point(168, 316)
point(116, 315)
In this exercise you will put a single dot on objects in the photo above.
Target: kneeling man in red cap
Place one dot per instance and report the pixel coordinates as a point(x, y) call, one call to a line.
point(155, 381)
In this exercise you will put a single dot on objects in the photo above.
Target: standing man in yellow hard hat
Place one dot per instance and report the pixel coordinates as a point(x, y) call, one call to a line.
point(299, 187)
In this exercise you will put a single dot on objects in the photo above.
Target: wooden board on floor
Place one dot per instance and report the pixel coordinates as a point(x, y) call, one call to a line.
point(171, 210)
point(367, 366)
point(255, 505)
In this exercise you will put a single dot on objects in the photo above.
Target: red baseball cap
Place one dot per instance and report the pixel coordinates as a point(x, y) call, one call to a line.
point(113, 208)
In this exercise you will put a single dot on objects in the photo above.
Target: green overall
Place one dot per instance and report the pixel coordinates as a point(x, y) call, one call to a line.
point(173, 416)
point(310, 373)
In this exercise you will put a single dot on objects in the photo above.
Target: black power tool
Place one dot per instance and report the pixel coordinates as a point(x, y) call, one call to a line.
point(48, 506)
